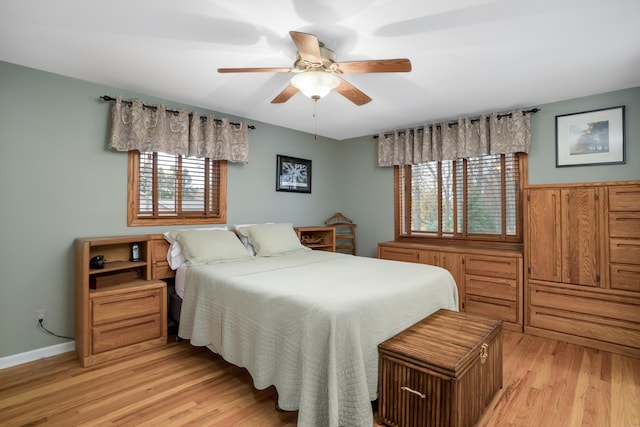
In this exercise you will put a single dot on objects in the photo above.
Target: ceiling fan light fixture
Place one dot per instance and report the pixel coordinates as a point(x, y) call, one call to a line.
point(315, 84)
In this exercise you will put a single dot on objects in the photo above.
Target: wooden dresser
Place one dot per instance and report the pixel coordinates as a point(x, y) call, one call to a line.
point(582, 259)
point(489, 280)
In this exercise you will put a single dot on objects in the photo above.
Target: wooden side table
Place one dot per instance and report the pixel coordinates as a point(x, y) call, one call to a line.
point(318, 238)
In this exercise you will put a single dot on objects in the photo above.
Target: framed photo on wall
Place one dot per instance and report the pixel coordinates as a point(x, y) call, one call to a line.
point(293, 174)
point(590, 138)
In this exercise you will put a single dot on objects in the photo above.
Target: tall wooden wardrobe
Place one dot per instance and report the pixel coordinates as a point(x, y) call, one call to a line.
point(582, 264)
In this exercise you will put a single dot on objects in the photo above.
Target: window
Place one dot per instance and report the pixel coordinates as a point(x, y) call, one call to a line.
point(166, 189)
point(476, 198)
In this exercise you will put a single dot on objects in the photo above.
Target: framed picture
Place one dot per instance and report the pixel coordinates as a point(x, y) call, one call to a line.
point(293, 174)
point(590, 138)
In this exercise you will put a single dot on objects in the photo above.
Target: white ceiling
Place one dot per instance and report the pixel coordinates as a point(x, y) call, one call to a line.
point(468, 56)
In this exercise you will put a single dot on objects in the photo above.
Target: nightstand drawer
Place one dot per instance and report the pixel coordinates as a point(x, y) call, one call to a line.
point(160, 266)
point(127, 332)
point(123, 306)
point(161, 270)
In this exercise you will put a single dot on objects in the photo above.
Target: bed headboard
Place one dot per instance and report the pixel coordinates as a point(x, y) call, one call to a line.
point(159, 265)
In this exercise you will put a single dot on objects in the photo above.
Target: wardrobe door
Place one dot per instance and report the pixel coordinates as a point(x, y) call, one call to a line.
point(580, 237)
point(544, 234)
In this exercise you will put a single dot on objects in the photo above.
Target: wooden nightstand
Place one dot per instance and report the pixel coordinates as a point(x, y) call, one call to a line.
point(318, 238)
point(120, 310)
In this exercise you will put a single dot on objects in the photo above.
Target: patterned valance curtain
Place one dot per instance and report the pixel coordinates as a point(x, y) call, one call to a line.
point(466, 138)
point(139, 127)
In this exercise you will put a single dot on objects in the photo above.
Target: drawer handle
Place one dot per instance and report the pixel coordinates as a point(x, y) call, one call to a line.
point(410, 390)
point(626, 245)
point(483, 352)
point(623, 271)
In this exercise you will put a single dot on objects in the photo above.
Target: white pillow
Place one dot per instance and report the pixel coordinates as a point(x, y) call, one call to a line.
point(273, 239)
point(210, 246)
point(244, 239)
point(175, 256)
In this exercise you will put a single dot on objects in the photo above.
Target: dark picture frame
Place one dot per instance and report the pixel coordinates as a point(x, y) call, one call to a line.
point(293, 174)
point(593, 137)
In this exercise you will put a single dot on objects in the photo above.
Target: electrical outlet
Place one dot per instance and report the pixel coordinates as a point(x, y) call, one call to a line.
point(40, 315)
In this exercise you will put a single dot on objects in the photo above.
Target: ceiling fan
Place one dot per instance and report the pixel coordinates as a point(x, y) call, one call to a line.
point(317, 72)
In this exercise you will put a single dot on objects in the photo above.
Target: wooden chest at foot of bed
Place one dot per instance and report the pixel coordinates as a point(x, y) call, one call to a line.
point(443, 371)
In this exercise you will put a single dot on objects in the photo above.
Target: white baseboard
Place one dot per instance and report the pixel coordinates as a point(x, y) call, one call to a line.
point(39, 353)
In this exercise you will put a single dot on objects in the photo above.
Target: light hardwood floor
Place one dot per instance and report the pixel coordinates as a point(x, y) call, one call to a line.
point(546, 383)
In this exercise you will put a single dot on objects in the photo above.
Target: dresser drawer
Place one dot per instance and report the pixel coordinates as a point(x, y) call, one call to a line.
point(624, 251)
point(398, 254)
point(112, 308)
point(625, 277)
point(491, 287)
point(624, 198)
point(599, 316)
point(602, 305)
point(614, 331)
point(503, 267)
point(491, 308)
point(120, 334)
point(624, 224)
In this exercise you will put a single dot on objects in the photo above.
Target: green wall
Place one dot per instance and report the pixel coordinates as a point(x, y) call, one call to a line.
point(58, 181)
point(542, 158)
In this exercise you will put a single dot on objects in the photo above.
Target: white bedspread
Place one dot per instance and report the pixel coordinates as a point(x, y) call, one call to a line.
point(310, 323)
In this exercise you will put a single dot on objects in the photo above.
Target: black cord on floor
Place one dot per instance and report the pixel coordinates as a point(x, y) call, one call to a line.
point(40, 323)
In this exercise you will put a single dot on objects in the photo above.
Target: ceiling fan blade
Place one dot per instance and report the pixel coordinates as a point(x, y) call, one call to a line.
point(400, 65)
point(256, 70)
point(308, 46)
point(352, 93)
point(284, 96)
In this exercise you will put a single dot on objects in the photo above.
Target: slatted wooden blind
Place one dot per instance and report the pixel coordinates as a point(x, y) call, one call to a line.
point(476, 198)
point(168, 189)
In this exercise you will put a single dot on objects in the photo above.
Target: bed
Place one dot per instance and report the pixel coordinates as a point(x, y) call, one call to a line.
point(307, 322)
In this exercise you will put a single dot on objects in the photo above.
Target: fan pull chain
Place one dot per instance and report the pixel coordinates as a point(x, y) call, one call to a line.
point(315, 117)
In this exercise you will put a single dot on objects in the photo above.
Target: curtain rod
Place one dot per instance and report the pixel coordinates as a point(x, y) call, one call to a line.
point(533, 110)
point(152, 107)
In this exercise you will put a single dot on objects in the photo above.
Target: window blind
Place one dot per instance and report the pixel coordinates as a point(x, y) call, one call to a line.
point(178, 186)
point(467, 198)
